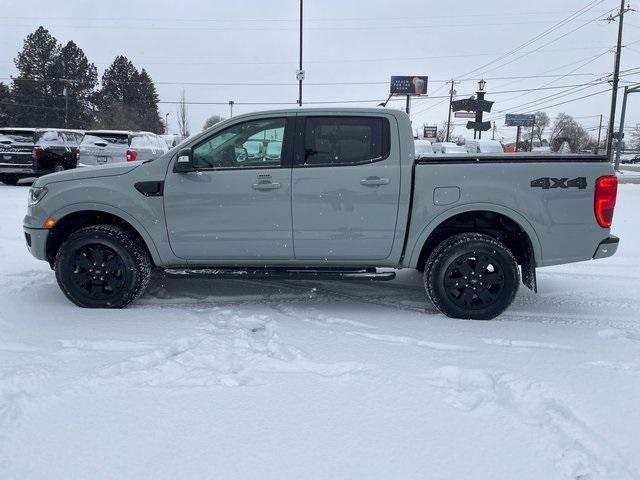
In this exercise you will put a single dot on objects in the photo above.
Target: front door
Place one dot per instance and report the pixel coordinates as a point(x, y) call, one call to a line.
point(346, 186)
point(237, 204)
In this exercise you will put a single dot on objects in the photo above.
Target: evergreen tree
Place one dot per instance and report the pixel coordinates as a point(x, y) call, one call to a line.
point(148, 104)
point(128, 98)
point(5, 104)
point(34, 87)
point(80, 79)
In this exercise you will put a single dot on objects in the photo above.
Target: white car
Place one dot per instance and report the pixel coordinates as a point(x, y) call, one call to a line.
point(483, 146)
point(448, 148)
point(423, 147)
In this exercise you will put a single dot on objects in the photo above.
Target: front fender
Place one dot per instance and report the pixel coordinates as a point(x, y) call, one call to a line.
point(417, 244)
point(110, 209)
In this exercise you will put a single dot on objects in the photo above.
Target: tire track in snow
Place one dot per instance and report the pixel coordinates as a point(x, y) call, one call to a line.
point(581, 454)
point(448, 347)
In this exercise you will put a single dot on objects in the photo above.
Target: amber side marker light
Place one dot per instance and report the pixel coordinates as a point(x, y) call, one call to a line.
point(49, 223)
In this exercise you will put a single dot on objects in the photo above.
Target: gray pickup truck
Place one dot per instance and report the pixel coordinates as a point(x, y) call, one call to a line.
point(310, 193)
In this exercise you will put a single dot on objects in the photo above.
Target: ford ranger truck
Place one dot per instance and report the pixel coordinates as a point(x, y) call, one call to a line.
point(322, 193)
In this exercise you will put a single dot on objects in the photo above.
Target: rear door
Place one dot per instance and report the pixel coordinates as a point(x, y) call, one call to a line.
point(346, 186)
point(234, 207)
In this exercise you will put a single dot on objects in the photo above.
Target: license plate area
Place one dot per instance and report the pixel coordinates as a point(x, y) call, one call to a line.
point(101, 159)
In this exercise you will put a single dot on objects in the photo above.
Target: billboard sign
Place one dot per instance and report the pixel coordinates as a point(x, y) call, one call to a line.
point(430, 132)
point(519, 120)
point(409, 85)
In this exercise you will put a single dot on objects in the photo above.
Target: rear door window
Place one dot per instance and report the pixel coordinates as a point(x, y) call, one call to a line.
point(18, 136)
point(110, 138)
point(345, 140)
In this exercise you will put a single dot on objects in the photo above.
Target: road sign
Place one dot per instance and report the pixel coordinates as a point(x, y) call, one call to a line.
point(471, 105)
point(519, 120)
point(430, 132)
point(479, 126)
point(415, 85)
point(465, 114)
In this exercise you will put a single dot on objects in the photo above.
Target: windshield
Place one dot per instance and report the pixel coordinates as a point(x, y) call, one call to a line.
point(112, 138)
point(18, 136)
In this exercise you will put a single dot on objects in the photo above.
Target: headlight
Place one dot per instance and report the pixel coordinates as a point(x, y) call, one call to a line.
point(36, 194)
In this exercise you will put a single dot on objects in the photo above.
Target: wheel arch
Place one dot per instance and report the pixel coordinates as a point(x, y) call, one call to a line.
point(78, 216)
point(502, 223)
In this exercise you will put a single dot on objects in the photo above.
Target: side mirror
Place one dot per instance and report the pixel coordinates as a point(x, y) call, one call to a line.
point(184, 163)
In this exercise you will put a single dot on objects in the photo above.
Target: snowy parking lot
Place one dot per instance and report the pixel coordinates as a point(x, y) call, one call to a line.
point(236, 379)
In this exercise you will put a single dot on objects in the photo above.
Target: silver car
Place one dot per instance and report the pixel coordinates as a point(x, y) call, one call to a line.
point(102, 147)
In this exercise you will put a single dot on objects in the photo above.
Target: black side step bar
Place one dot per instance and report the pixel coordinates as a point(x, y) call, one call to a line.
point(369, 274)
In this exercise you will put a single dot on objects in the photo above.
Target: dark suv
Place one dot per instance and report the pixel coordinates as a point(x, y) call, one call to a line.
point(55, 150)
point(31, 152)
point(16, 149)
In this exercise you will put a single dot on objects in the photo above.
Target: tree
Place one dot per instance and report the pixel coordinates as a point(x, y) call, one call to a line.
point(5, 104)
point(212, 120)
point(541, 123)
point(79, 79)
point(35, 87)
point(635, 137)
point(441, 134)
point(182, 112)
point(566, 129)
point(128, 99)
point(147, 102)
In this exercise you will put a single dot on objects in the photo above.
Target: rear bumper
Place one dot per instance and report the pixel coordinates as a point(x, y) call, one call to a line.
point(607, 247)
point(17, 169)
point(36, 239)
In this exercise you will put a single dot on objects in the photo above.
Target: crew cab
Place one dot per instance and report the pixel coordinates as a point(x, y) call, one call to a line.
point(342, 197)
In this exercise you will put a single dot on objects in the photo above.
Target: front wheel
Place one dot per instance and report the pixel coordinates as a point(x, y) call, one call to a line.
point(9, 179)
point(471, 276)
point(102, 266)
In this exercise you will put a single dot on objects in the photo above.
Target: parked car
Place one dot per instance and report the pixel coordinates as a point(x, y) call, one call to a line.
point(483, 146)
point(422, 147)
point(448, 148)
point(343, 197)
point(172, 140)
point(629, 158)
point(31, 152)
point(16, 149)
point(55, 150)
point(101, 147)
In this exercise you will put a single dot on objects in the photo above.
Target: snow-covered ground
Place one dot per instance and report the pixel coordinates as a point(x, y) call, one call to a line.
point(320, 380)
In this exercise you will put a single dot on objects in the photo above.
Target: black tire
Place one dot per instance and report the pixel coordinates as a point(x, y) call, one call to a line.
point(103, 266)
point(10, 179)
point(458, 272)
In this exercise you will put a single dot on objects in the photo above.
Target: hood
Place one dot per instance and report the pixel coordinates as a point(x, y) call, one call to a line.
point(82, 173)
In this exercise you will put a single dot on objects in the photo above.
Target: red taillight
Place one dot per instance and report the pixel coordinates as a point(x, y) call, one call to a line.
point(605, 199)
point(77, 152)
point(131, 155)
point(37, 153)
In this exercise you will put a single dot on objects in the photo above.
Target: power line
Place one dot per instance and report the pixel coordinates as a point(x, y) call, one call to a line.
point(540, 35)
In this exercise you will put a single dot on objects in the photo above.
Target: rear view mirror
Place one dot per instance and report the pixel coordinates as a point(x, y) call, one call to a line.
point(184, 162)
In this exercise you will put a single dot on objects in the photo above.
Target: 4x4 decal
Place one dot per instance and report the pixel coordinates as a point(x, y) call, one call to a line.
point(550, 182)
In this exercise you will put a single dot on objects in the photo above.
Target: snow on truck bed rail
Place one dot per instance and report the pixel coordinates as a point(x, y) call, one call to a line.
point(243, 378)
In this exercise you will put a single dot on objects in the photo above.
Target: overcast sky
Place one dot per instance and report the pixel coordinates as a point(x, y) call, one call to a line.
point(220, 50)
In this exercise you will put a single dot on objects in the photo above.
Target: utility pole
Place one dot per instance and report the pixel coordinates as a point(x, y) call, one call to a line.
point(65, 93)
point(166, 123)
point(452, 92)
point(616, 77)
point(493, 131)
point(408, 107)
point(231, 108)
point(627, 91)
point(599, 135)
point(300, 72)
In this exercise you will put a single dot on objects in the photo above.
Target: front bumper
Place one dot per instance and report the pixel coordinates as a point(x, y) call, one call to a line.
point(607, 247)
point(17, 169)
point(36, 239)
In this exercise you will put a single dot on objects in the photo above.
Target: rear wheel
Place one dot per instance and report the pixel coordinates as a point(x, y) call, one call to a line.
point(102, 266)
point(471, 276)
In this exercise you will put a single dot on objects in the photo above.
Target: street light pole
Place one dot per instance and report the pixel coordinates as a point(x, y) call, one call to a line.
point(451, 93)
point(166, 123)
